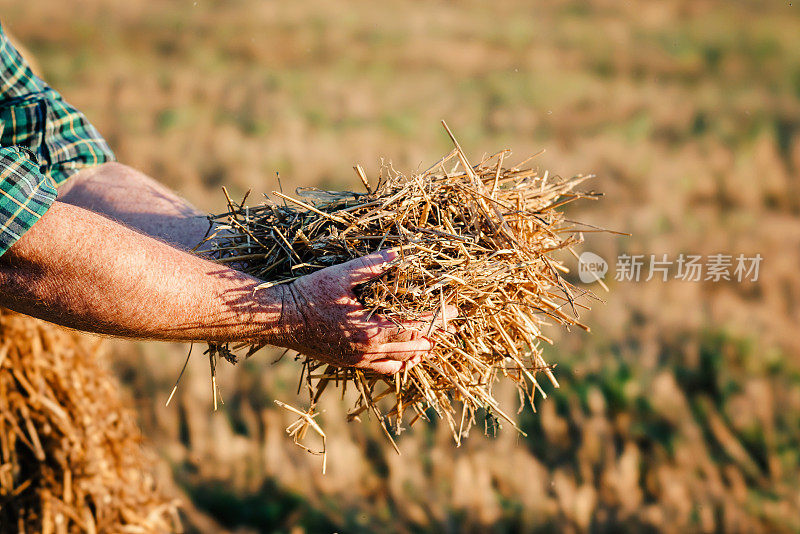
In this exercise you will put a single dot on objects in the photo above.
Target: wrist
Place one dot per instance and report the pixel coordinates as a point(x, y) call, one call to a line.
point(277, 315)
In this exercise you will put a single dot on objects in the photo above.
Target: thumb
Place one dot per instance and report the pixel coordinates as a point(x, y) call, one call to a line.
point(366, 268)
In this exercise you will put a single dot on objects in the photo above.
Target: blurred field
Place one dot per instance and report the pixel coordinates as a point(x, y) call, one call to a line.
point(680, 412)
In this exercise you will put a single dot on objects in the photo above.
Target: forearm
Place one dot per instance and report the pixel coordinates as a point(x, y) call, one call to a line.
point(131, 285)
point(138, 201)
point(84, 271)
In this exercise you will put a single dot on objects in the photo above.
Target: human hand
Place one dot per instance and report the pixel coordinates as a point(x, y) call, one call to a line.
point(323, 319)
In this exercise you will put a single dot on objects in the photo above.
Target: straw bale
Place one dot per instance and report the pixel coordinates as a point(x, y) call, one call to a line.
point(71, 455)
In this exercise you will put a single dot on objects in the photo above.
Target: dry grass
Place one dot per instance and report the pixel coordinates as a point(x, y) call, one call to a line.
point(71, 458)
point(479, 238)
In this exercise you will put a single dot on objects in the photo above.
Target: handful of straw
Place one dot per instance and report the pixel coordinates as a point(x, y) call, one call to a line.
point(480, 238)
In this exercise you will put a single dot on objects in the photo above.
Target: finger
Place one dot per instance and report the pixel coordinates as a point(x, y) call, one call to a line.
point(385, 367)
point(411, 362)
point(408, 331)
point(366, 268)
point(401, 350)
point(427, 323)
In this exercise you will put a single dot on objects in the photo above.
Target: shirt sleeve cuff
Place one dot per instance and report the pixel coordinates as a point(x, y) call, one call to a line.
point(25, 194)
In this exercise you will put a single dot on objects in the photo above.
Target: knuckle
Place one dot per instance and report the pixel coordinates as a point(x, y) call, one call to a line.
point(360, 337)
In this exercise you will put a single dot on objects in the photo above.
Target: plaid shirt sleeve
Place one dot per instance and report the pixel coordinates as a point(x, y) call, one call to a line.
point(25, 194)
point(43, 141)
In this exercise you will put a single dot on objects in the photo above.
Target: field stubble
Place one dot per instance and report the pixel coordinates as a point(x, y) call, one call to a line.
point(680, 412)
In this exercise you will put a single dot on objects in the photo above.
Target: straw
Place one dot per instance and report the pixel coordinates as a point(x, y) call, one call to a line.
point(483, 238)
point(71, 456)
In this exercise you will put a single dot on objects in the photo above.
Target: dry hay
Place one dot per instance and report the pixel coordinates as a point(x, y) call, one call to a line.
point(71, 458)
point(479, 237)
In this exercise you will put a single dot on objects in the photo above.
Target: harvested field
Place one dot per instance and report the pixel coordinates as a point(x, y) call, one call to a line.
point(677, 413)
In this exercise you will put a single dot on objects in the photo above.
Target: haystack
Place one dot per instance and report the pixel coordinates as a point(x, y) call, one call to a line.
point(71, 457)
point(483, 238)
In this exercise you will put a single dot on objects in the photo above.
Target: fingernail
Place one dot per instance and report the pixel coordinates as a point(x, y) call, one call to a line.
point(388, 254)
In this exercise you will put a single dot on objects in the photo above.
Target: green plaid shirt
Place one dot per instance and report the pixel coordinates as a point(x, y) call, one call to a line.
point(43, 141)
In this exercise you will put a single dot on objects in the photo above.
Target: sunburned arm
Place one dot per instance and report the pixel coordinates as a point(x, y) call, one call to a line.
point(82, 270)
point(85, 271)
point(136, 200)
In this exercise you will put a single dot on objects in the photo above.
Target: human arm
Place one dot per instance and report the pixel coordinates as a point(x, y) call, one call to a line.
point(138, 201)
point(85, 271)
